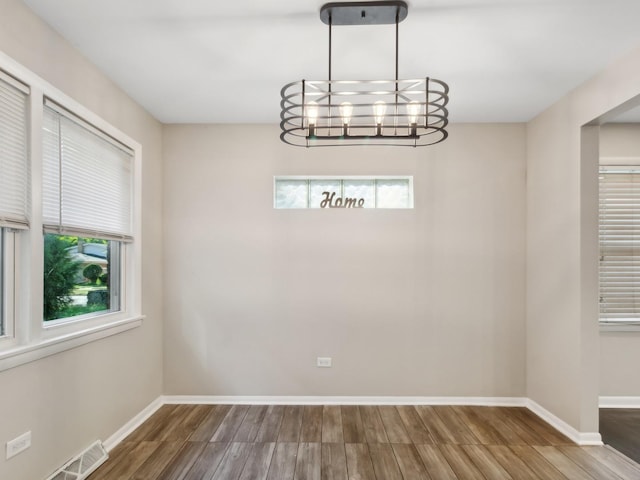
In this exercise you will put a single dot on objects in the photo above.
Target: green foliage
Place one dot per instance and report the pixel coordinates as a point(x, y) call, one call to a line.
point(74, 310)
point(92, 272)
point(59, 275)
point(70, 241)
point(73, 241)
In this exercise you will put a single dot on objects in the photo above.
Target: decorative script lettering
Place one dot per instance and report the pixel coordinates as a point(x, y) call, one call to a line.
point(330, 202)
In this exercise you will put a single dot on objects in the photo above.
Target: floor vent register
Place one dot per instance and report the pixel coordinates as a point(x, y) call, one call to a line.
point(83, 465)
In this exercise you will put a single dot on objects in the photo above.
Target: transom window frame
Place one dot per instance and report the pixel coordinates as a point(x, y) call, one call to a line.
point(28, 337)
point(342, 178)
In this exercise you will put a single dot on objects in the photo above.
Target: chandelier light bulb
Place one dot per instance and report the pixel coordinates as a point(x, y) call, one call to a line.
point(413, 110)
point(312, 112)
point(312, 117)
point(379, 108)
point(346, 110)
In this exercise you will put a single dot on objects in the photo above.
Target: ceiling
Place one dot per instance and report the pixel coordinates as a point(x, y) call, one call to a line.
point(196, 61)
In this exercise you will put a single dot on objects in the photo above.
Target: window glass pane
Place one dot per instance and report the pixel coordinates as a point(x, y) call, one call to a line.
point(317, 189)
point(358, 189)
point(392, 193)
point(291, 194)
point(81, 276)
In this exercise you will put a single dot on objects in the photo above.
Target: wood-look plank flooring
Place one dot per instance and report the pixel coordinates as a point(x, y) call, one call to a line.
point(620, 428)
point(275, 442)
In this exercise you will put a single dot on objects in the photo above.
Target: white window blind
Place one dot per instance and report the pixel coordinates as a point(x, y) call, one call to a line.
point(619, 233)
point(87, 179)
point(14, 161)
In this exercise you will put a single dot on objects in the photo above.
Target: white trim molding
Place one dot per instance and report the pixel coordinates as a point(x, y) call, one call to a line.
point(581, 438)
point(132, 424)
point(619, 402)
point(35, 351)
point(338, 400)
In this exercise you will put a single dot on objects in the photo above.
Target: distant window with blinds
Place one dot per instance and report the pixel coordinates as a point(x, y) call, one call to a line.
point(619, 232)
point(343, 192)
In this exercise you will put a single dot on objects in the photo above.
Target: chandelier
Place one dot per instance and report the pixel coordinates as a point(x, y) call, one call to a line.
point(363, 112)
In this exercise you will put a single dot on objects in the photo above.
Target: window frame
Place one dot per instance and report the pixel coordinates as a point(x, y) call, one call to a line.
point(7, 287)
point(342, 179)
point(10, 285)
point(31, 339)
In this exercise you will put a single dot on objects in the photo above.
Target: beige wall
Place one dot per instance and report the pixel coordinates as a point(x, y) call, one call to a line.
point(428, 301)
point(620, 351)
point(562, 308)
point(70, 399)
point(620, 141)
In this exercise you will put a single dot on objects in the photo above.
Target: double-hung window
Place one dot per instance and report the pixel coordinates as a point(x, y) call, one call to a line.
point(69, 222)
point(619, 232)
point(14, 187)
point(87, 216)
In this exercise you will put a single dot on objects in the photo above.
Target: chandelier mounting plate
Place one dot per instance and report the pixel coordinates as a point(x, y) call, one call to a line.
point(364, 13)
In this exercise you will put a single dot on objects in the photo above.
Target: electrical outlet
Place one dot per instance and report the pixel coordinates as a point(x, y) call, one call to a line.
point(324, 362)
point(18, 444)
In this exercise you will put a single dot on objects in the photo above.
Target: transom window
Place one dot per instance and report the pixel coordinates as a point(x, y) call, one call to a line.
point(345, 192)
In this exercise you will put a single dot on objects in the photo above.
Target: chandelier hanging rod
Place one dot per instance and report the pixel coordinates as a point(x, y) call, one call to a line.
point(347, 12)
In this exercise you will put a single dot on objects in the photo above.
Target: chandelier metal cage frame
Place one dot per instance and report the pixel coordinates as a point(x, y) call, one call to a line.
point(394, 112)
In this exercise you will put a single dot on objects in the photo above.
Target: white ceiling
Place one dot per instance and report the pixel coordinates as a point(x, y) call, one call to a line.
point(197, 61)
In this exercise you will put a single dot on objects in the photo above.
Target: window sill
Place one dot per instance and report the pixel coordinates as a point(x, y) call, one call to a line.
point(22, 354)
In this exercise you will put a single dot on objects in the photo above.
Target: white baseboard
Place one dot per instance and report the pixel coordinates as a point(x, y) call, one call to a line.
point(619, 402)
point(581, 438)
point(132, 424)
point(339, 400)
